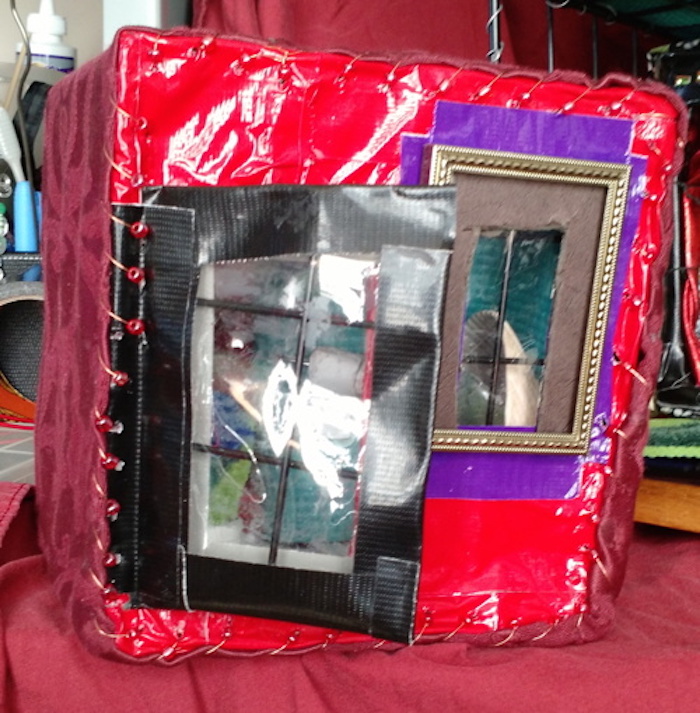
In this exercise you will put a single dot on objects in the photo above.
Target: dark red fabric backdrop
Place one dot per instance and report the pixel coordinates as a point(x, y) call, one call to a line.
point(444, 27)
point(648, 663)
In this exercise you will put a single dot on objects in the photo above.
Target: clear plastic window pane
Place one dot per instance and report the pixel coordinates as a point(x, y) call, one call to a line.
point(508, 309)
point(281, 380)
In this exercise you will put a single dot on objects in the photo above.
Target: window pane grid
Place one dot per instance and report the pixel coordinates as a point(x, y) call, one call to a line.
point(507, 313)
point(272, 471)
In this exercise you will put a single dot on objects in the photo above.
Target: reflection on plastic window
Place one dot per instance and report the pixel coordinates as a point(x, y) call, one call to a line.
point(281, 391)
point(510, 293)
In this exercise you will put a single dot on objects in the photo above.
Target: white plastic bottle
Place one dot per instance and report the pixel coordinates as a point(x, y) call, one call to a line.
point(46, 30)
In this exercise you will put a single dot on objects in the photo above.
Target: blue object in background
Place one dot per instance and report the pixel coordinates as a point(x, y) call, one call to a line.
point(26, 218)
point(33, 274)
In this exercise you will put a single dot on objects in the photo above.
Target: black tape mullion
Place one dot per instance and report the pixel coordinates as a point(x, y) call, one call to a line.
point(348, 473)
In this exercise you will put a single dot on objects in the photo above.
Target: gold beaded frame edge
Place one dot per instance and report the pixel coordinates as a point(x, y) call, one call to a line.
point(446, 161)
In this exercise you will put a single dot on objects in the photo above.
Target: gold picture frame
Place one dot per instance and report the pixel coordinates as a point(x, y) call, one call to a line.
point(514, 174)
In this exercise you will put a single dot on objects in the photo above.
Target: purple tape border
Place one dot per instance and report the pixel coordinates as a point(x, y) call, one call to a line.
point(492, 476)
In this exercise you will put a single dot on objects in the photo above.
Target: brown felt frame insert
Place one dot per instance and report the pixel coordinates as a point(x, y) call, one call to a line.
point(586, 200)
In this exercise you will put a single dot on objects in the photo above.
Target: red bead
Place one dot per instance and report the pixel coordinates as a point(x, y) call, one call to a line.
point(112, 462)
point(139, 230)
point(112, 509)
point(135, 275)
point(104, 424)
point(135, 326)
point(119, 378)
point(112, 559)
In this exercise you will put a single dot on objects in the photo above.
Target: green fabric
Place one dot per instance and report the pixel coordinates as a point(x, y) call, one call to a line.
point(678, 21)
point(673, 438)
point(528, 309)
point(530, 288)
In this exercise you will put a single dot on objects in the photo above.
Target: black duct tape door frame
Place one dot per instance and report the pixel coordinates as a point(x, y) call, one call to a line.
point(412, 230)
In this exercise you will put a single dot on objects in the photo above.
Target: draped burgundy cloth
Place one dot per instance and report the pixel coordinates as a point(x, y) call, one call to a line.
point(442, 27)
point(648, 662)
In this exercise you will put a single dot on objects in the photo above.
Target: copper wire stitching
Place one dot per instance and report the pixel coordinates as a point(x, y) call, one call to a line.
point(453, 633)
point(508, 638)
point(108, 635)
point(572, 103)
point(119, 169)
point(546, 632)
